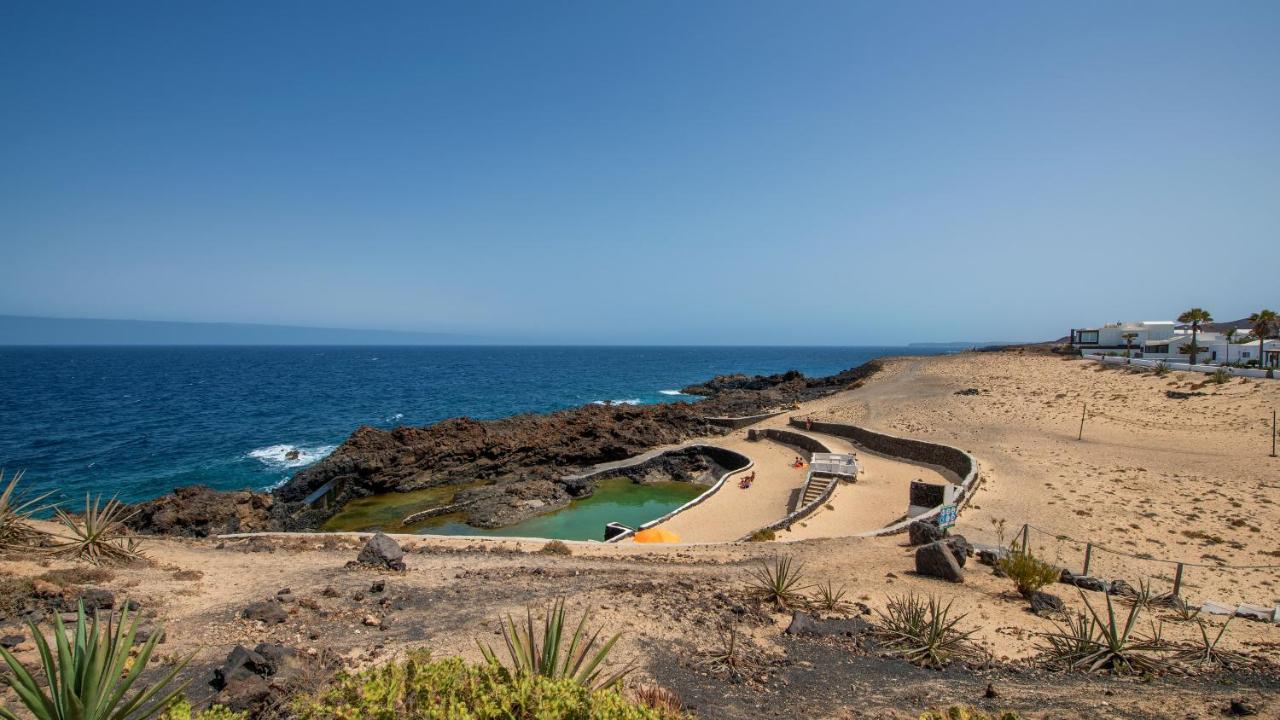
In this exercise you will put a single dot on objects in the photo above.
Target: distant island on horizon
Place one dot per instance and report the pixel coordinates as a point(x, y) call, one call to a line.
point(28, 330)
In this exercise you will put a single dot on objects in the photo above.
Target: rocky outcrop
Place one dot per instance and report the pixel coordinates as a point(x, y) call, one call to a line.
point(198, 511)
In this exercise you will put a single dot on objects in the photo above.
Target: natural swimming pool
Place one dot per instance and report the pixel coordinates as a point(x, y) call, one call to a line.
point(615, 500)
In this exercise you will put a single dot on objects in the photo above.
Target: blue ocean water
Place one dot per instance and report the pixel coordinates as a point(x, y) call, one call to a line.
point(139, 421)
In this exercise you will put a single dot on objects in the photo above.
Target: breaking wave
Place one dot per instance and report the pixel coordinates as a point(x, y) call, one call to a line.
point(632, 401)
point(290, 456)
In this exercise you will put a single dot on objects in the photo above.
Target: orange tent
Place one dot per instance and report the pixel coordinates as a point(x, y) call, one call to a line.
point(656, 535)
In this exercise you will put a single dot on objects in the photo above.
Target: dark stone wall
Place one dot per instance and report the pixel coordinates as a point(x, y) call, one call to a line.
point(786, 437)
point(908, 449)
point(737, 423)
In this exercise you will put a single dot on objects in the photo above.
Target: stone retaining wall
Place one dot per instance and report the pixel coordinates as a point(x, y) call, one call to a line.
point(922, 451)
point(737, 423)
point(786, 437)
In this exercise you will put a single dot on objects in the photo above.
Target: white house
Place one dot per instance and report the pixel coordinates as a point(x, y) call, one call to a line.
point(1164, 340)
point(1155, 334)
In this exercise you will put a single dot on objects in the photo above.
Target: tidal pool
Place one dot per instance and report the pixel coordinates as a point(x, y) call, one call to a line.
point(615, 500)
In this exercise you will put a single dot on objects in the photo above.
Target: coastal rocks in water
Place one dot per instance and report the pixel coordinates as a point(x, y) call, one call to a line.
point(937, 559)
point(267, 611)
point(198, 511)
point(382, 551)
point(923, 532)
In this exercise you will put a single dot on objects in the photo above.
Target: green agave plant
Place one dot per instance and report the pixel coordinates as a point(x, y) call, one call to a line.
point(90, 674)
point(544, 653)
point(780, 582)
point(100, 535)
point(15, 514)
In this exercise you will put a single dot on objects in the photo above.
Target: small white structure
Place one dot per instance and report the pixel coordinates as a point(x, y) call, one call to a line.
point(841, 464)
point(1111, 337)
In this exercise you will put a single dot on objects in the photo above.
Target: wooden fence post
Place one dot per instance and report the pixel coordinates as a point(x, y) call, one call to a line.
point(1177, 582)
point(1026, 535)
point(1273, 433)
point(1088, 555)
point(1084, 410)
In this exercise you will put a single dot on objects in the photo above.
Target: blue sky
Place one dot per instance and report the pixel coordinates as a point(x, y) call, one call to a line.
point(642, 172)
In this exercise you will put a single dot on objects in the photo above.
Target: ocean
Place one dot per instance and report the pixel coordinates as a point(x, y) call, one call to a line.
point(136, 422)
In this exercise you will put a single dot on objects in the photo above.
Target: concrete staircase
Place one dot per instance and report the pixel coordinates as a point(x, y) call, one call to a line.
point(814, 487)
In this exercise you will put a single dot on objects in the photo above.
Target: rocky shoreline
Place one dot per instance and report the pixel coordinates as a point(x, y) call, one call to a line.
point(523, 460)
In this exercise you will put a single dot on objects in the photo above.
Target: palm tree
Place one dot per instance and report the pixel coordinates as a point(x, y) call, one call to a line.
point(1263, 323)
point(1230, 335)
point(1128, 341)
point(1194, 317)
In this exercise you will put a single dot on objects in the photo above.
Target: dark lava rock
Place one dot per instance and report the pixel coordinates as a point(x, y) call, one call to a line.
point(378, 586)
point(959, 547)
point(968, 391)
point(241, 663)
point(282, 661)
point(1084, 582)
point(1120, 587)
point(938, 560)
point(284, 595)
point(1240, 708)
point(268, 611)
point(198, 511)
point(382, 550)
point(991, 693)
point(992, 555)
point(1043, 602)
point(923, 532)
point(803, 623)
point(1179, 395)
point(93, 599)
point(9, 642)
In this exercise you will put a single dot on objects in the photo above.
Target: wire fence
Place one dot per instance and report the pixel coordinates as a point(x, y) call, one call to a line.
point(1196, 581)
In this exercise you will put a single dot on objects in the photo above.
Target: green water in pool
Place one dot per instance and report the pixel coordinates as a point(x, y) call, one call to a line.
point(615, 500)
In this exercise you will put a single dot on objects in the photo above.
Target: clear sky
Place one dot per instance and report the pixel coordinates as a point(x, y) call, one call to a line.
point(642, 172)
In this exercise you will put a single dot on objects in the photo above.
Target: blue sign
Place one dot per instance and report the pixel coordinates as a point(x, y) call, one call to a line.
point(947, 516)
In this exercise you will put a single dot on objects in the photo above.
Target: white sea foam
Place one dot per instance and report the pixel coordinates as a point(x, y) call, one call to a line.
point(670, 392)
point(632, 401)
point(282, 456)
point(396, 418)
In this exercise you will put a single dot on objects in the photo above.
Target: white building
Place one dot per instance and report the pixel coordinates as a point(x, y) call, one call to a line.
point(1164, 340)
point(1111, 337)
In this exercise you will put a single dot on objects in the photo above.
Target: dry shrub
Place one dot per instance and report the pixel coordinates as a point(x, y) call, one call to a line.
point(658, 698)
point(555, 547)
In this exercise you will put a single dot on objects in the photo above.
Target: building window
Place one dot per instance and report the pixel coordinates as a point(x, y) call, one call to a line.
point(1244, 354)
point(1087, 336)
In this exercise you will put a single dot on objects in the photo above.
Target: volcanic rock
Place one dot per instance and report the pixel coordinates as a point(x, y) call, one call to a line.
point(383, 551)
point(923, 532)
point(198, 511)
point(268, 611)
point(938, 560)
